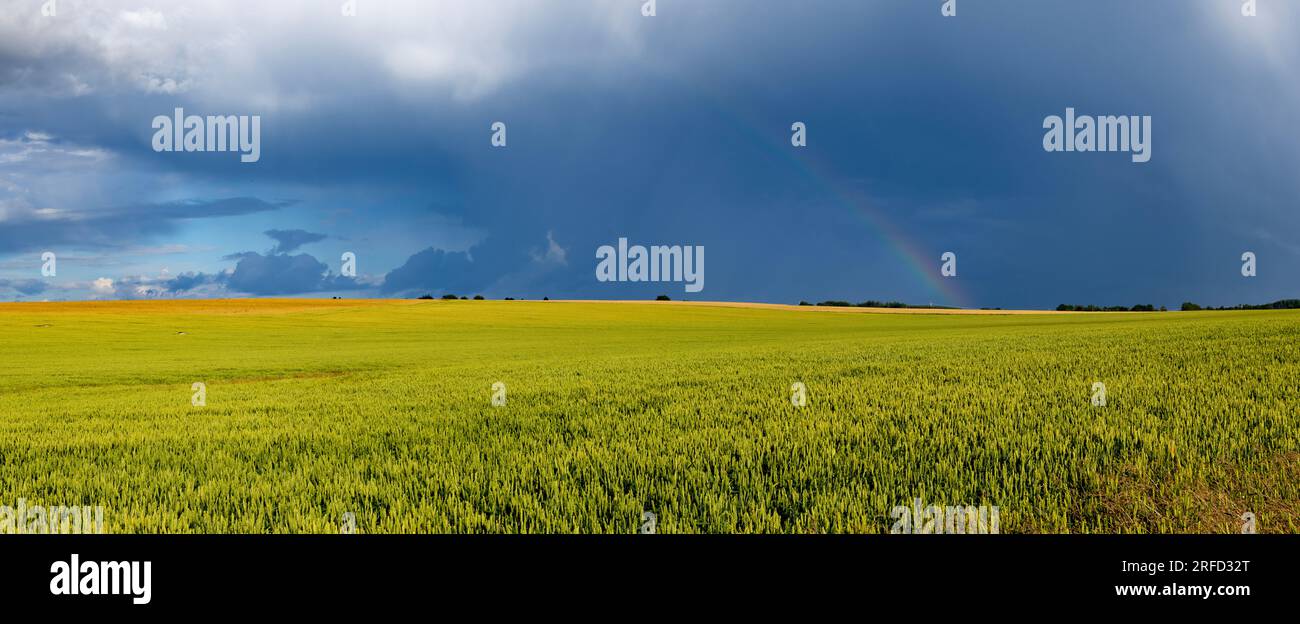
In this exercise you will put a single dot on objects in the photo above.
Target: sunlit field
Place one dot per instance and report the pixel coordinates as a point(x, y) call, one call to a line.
point(383, 409)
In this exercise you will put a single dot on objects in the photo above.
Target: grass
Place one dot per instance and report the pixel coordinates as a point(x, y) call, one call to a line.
point(382, 409)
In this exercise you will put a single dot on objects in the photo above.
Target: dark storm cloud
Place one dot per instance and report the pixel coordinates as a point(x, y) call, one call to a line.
point(24, 286)
point(269, 275)
point(435, 270)
point(121, 225)
point(192, 280)
point(924, 137)
point(287, 241)
point(281, 274)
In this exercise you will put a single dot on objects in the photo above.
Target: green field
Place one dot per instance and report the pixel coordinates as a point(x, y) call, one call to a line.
point(382, 409)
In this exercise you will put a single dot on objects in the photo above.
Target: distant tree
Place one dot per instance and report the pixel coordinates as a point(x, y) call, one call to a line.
point(662, 298)
point(1163, 309)
point(1190, 307)
point(804, 303)
point(450, 296)
point(546, 298)
point(464, 298)
point(835, 304)
point(426, 296)
point(478, 297)
point(510, 298)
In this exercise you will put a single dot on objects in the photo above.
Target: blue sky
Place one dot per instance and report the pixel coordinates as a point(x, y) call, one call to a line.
point(924, 136)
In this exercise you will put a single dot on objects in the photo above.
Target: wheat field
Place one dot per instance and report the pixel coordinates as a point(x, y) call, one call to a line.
point(314, 410)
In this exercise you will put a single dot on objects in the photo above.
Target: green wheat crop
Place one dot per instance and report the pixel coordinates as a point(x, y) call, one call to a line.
point(382, 409)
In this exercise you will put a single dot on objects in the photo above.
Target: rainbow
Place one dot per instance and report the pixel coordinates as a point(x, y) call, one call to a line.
point(921, 262)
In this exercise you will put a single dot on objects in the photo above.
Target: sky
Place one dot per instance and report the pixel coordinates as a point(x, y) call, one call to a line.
point(924, 135)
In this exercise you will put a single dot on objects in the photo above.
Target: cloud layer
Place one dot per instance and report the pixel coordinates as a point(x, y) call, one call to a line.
point(924, 137)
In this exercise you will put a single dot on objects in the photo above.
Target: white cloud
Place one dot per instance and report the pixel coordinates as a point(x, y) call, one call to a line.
point(419, 63)
point(37, 172)
point(102, 286)
point(253, 50)
point(145, 18)
point(1269, 37)
point(554, 253)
